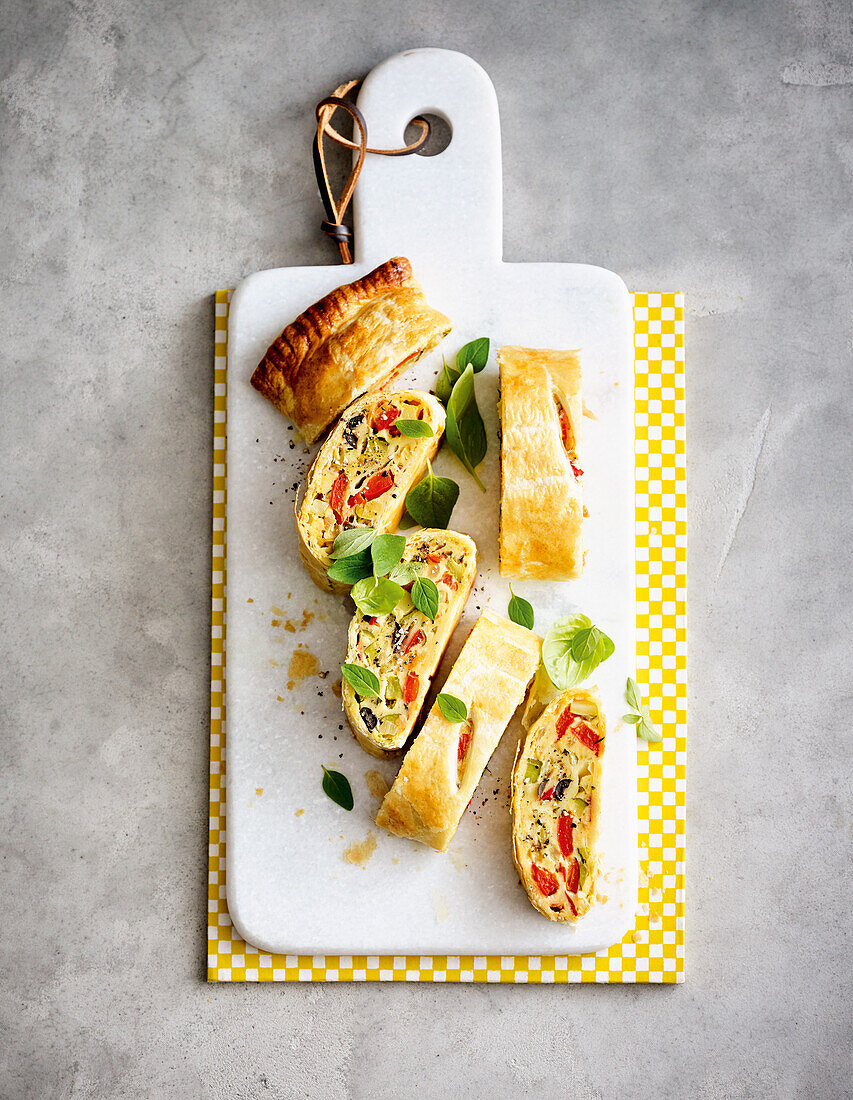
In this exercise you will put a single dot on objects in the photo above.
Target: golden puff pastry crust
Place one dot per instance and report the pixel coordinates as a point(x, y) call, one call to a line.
point(444, 765)
point(358, 338)
point(362, 473)
point(404, 648)
point(556, 805)
point(541, 409)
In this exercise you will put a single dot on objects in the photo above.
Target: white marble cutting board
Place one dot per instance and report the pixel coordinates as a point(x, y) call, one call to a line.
point(290, 887)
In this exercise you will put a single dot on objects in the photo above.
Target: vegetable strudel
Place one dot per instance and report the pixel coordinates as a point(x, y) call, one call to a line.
point(357, 338)
point(556, 785)
point(541, 498)
point(362, 473)
point(404, 648)
point(444, 765)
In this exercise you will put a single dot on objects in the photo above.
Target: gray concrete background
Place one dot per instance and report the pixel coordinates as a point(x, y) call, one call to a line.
point(152, 152)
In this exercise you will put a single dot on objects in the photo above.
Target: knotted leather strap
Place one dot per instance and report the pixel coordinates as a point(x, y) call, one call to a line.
point(333, 225)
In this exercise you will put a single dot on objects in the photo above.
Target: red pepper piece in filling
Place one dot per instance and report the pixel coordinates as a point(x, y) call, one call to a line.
point(386, 420)
point(565, 829)
point(375, 487)
point(434, 558)
point(576, 470)
point(450, 582)
point(580, 729)
point(464, 742)
point(573, 878)
point(415, 636)
point(588, 737)
point(546, 796)
point(408, 358)
point(574, 907)
point(546, 882)
point(338, 496)
point(410, 688)
point(565, 427)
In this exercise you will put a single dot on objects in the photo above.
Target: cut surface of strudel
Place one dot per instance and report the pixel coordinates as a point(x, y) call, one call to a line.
point(403, 648)
point(358, 338)
point(446, 760)
point(556, 787)
point(362, 473)
point(541, 496)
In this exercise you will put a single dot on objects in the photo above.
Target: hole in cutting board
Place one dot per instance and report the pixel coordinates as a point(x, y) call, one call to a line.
point(440, 135)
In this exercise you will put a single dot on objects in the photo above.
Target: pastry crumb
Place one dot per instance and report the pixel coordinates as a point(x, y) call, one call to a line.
point(259, 791)
point(303, 664)
point(359, 853)
point(299, 813)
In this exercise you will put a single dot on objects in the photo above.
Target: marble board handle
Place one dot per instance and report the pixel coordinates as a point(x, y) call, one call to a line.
point(407, 204)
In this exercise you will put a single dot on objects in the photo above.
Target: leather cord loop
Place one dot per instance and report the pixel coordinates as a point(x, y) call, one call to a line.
point(333, 225)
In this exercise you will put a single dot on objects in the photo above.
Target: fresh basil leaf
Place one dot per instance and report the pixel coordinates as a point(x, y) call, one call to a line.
point(406, 522)
point(476, 353)
point(453, 709)
point(376, 595)
point(425, 596)
point(414, 429)
point(386, 552)
point(338, 788)
point(584, 643)
point(520, 610)
point(464, 427)
point(648, 732)
point(632, 694)
point(631, 719)
point(431, 502)
point(363, 681)
point(352, 541)
point(352, 569)
point(564, 669)
point(444, 383)
point(404, 573)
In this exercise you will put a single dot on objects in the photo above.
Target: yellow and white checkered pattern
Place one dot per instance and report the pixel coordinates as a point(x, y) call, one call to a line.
point(654, 950)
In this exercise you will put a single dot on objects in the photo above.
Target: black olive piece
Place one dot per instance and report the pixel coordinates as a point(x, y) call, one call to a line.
point(368, 717)
point(349, 430)
point(561, 788)
point(397, 636)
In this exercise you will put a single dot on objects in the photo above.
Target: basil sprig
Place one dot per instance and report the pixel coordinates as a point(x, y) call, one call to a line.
point(642, 720)
point(363, 681)
point(404, 573)
point(353, 568)
point(337, 787)
point(573, 649)
point(476, 353)
point(414, 429)
point(453, 709)
point(376, 595)
point(464, 428)
point(425, 596)
point(386, 552)
point(431, 502)
point(520, 610)
point(352, 541)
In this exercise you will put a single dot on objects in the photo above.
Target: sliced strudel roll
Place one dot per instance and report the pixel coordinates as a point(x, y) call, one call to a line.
point(541, 496)
point(403, 648)
point(362, 473)
point(444, 765)
point(358, 338)
point(556, 788)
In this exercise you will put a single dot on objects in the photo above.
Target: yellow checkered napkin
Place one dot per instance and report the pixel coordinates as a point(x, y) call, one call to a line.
point(654, 950)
